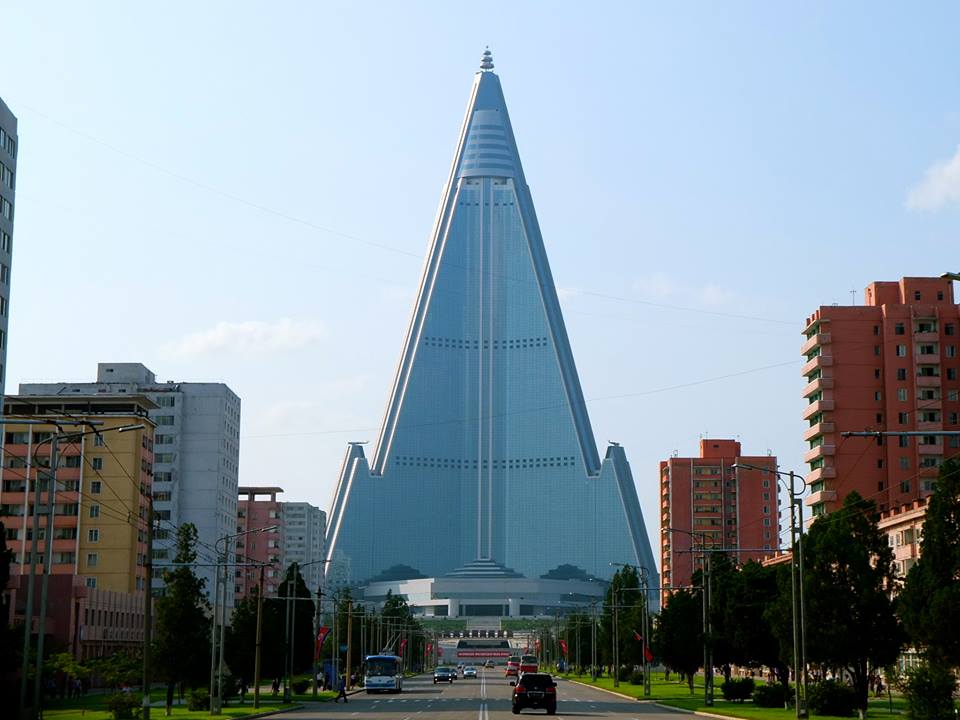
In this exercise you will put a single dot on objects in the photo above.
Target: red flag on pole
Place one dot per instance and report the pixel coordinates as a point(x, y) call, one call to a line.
point(563, 646)
point(403, 645)
point(321, 637)
point(646, 649)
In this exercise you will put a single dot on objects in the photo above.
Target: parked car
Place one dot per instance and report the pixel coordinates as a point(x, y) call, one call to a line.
point(443, 674)
point(535, 690)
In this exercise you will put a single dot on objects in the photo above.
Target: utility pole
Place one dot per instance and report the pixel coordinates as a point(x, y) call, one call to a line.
point(802, 711)
point(223, 624)
point(616, 642)
point(214, 700)
point(47, 560)
point(316, 633)
point(148, 613)
point(708, 641)
point(28, 610)
point(349, 639)
point(256, 660)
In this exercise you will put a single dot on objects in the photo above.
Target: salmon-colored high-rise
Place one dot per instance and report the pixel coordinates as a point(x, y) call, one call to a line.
point(890, 364)
point(723, 506)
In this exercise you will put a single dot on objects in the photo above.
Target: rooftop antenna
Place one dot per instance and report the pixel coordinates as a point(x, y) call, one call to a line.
point(853, 297)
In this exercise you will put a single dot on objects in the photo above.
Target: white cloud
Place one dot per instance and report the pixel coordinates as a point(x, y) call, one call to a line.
point(713, 295)
point(249, 336)
point(940, 186)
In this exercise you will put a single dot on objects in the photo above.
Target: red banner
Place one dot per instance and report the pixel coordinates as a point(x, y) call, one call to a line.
point(563, 647)
point(403, 645)
point(321, 637)
point(646, 650)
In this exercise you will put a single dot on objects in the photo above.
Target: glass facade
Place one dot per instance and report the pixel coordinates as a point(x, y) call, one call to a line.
point(486, 450)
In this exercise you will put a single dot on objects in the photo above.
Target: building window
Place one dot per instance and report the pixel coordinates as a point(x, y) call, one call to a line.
point(951, 373)
point(951, 351)
point(898, 329)
point(93, 535)
point(901, 350)
point(877, 396)
point(904, 463)
point(97, 463)
point(902, 418)
point(95, 487)
point(902, 394)
point(94, 511)
point(916, 295)
point(904, 441)
point(948, 329)
point(90, 582)
point(98, 440)
point(876, 350)
point(905, 486)
point(901, 373)
point(92, 559)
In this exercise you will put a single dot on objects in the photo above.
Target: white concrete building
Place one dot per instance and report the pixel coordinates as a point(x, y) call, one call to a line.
point(196, 455)
point(304, 530)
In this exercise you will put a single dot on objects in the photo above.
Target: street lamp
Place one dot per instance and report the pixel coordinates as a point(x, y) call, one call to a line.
point(215, 665)
point(796, 579)
point(706, 590)
point(645, 589)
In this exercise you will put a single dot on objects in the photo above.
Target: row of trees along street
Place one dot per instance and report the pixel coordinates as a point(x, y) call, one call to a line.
point(181, 646)
point(860, 614)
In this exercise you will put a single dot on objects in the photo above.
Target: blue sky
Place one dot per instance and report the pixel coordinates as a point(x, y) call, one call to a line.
point(244, 192)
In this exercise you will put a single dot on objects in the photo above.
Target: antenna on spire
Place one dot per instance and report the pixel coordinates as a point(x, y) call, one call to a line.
point(486, 62)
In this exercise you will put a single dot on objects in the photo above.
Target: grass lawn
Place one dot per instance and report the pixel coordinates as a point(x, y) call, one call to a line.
point(676, 695)
point(93, 707)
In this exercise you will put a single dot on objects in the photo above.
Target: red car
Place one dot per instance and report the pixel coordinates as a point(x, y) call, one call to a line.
point(513, 666)
point(528, 664)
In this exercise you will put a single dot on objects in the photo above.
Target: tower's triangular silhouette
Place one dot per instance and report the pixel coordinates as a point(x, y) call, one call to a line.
point(486, 450)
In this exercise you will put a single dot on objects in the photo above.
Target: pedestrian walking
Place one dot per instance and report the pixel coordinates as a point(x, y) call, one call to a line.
point(342, 686)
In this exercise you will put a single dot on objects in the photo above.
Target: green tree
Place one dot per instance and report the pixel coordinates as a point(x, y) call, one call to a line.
point(301, 614)
point(241, 638)
point(930, 602)
point(182, 649)
point(624, 589)
point(741, 633)
point(848, 579)
point(679, 636)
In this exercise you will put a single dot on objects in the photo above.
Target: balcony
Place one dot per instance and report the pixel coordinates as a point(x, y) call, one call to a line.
point(928, 381)
point(819, 339)
point(931, 359)
point(824, 383)
point(819, 452)
point(930, 449)
point(824, 473)
point(821, 361)
point(821, 428)
point(819, 497)
point(926, 337)
point(817, 407)
point(934, 426)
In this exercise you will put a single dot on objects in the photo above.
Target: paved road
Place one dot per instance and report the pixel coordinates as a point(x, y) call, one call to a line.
point(486, 698)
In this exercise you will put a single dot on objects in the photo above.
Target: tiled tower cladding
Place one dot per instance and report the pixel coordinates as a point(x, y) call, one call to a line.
point(890, 364)
point(8, 185)
point(486, 450)
point(724, 506)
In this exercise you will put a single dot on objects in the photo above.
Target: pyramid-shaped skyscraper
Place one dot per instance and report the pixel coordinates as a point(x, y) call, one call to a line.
point(486, 451)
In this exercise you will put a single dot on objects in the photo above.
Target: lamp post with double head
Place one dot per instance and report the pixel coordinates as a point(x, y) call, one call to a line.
point(216, 665)
point(644, 588)
point(707, 609)
point(796, 579)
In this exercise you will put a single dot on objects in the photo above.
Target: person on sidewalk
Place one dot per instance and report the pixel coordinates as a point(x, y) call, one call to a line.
point(342, 684)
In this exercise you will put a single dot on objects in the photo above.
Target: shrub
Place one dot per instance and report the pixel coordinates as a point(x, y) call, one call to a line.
point(832, 698)
point(625, 673)
point(737, 689)
point(636, 678)
point(124, 706)
point(198, 700)
point(773, 695)
point(300, 685)
point(929, 692)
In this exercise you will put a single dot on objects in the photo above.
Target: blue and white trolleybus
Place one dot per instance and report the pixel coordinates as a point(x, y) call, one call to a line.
point(383, 673)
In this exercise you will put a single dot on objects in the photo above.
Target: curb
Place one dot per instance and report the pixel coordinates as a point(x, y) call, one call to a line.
point(659, 705)
point(272, 712)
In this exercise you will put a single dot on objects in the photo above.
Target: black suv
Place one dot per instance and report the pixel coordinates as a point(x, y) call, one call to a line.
point(535, 690)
